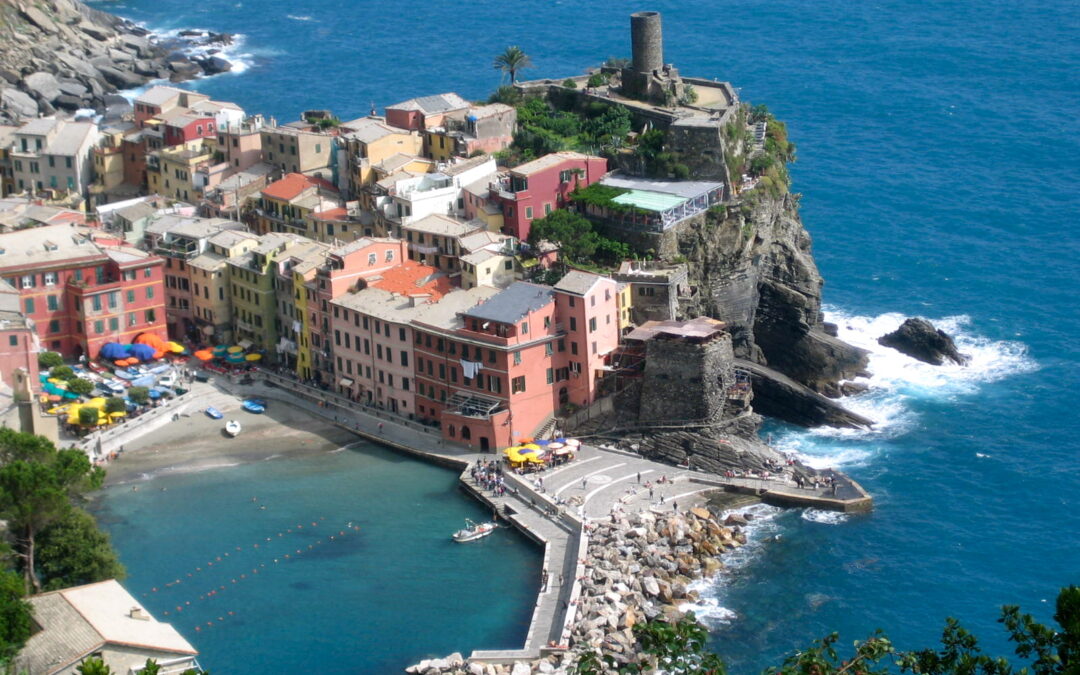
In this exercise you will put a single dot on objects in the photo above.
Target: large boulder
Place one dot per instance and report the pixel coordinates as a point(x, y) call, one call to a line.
point(214, 65)
point(122, 79)
point(18, 103)
point(42, 86)
point(919, 339)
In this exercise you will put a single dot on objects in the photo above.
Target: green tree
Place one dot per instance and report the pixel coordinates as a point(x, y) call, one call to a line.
point(66, 373)
point(569, 83)
point(80, 386)
point(505, 94)
point(511, 61)
point(88, 417)
point(73, 551)
point(115, 404)
point(49, 360)
point(94, 666)
point(140, 395)
point(15, 617)
point(571, 231)
point(597, 80)
point(37, 484)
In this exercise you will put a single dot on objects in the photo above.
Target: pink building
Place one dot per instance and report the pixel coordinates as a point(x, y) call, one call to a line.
point(18, 342)
point(81, 294)
point(537, 188)
point(373, 335)
point(426, 112)
point(159, 100)
point(182, 126)
point(588, 310)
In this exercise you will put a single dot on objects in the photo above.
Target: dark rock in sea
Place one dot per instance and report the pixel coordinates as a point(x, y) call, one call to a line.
point(214, 65)
point(830, 329)
point(919, 339)
point(852, 388)
point(191, 32)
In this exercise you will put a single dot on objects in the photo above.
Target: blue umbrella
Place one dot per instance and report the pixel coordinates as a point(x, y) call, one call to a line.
point(154, 393)
point(541, 441)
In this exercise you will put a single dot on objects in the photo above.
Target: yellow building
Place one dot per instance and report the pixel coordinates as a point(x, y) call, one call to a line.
point(624, 300)
point(299, 265)
point(179, 167)
point(369, 141)
point(210, 276)
point(286, 205)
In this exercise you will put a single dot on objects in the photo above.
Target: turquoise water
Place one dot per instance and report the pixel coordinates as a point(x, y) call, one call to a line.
point(938, 162)
point(369, 600)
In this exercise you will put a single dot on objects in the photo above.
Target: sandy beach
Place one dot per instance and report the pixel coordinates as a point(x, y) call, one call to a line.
point(197, 442)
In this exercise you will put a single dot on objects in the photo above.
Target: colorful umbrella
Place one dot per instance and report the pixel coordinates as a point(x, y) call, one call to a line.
point(235, 358)
point(235, 349)
point(253, 357)
point(220, 350)
point(204, 355)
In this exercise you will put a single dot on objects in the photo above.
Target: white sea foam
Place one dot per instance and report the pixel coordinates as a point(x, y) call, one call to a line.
point(824, 517)
point(299, 18)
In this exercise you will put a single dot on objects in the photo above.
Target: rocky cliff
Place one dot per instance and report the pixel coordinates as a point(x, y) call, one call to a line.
point(61, 54)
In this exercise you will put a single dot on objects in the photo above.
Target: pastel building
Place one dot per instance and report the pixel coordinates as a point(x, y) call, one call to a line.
point(19, 344)
point(588, 308)
point(483, 129)
point(53, 154)
point(159, 100)
point(426, 112)
point(81, 294)
point(435, 239)
point(368, 141)
point(284, 204)
point(211, 301)
point(373, 335)
point(297, 148)
point(535, 189)
point(441, 192)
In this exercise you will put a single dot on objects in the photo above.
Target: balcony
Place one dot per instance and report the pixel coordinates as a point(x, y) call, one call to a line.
point(475, 406)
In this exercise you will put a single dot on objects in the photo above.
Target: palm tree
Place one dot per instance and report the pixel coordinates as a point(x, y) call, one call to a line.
point(511, 61)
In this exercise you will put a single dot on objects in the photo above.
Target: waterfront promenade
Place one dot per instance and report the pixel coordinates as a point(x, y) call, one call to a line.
point(554, 508)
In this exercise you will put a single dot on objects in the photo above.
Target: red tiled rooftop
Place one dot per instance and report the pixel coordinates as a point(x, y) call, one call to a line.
point(339, 213)
point(404, 280)
point(293, 184)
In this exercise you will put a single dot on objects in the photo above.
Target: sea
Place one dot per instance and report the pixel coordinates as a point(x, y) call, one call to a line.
point(937, 163)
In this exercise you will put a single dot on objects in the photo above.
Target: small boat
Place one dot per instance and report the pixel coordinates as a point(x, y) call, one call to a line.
point(125, 374)
point(213, 412)
point(232, 427)
point(253, 407)
point(474, 531)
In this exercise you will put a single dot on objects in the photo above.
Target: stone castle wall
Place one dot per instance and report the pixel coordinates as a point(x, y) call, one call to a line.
point(686, 381)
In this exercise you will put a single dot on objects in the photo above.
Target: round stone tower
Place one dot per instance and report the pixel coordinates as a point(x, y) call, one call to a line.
point(647, 41)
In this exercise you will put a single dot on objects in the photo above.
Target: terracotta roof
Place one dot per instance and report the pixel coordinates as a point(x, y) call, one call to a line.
point(412, 278)
point(293, 184)
point(339, 213)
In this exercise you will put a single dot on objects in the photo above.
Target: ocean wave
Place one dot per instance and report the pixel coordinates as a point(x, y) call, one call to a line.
point(898, 380)
point(824, 517)
point(299, 18)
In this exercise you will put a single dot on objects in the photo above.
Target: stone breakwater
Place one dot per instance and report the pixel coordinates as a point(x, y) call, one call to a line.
point(638, 568)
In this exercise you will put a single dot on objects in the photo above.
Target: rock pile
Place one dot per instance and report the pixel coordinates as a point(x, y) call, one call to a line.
point(920, 339)
point(63, 55)
point(638, 568)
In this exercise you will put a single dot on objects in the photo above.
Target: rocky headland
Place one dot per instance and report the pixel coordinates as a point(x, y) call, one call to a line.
point(61, 55)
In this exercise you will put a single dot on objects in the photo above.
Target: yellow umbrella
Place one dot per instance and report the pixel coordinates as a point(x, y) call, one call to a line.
point(253, 357)
point(532, 446)
point(175, 347)
point(98, 402)
point(119, 413)
point(235, 349)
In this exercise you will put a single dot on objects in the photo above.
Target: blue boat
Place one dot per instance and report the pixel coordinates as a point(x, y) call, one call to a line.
point(124, 374)
point(213, 412)
point(253, 407)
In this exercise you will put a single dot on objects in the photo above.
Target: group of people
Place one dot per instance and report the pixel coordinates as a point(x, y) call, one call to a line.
point(488, 475)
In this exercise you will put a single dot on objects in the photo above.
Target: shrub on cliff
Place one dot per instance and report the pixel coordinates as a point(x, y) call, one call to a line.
point(49, 360)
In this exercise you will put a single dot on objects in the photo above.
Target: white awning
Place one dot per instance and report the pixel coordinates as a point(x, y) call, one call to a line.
point(345, 382)
point(246, 344)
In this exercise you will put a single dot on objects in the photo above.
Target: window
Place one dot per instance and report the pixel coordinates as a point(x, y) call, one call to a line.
point(149, 292)
point(572, 301)
point(28, 281)
point(592, 301)
point(50, 278)
point(147, 273)
point(404, 358)
point(405, 384)
point(389, 255)
point(53, 303)
point(517, 358)
point(150, 316)
point(592, 324)
point(318, 148)
point(547, 209)
point(525, 328)
point(573, 348)
point(573, 323)
point(54, 326)
point(509, 264)
point(562, 345)
point(548, 349)
point(131, 319)
point(29, 306)
point(114, 323)
point(517, 385)
point(13, 340)
point(528, 213)
point(99, 327)
point(371, 258)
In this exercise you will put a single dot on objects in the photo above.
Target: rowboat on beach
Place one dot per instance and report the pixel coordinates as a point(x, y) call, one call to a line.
point(473, 531)
point(213, 412)
point(253, 407)
point(232, 427)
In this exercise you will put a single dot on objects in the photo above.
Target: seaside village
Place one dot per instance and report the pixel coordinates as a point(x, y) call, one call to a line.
point(380, 264)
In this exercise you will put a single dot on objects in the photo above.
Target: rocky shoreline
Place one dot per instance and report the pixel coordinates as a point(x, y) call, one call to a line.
point(639, 567)
point(63, 55)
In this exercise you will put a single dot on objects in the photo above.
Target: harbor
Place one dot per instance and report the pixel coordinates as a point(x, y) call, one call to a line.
point(555, 508)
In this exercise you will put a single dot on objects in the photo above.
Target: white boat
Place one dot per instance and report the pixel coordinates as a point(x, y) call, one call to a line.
point(232, 427)
point(474, 531)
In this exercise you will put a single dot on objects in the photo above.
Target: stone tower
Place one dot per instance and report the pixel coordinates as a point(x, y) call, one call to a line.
point(648, 78)
point(686, 378)
point(647, 41)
